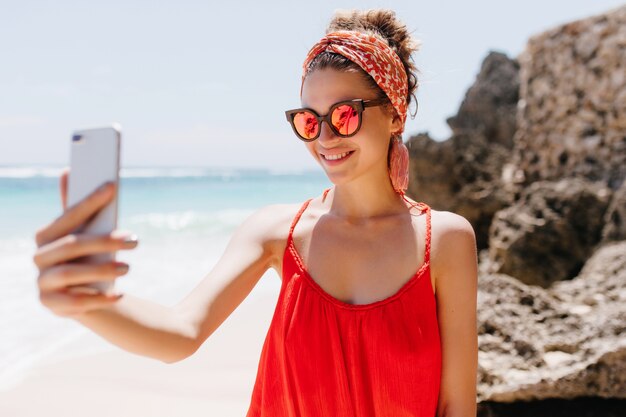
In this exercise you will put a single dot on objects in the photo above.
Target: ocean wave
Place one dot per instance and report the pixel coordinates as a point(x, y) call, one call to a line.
point(222, 221)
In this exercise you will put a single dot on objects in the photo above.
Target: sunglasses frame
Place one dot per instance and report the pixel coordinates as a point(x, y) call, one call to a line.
point(358, 104)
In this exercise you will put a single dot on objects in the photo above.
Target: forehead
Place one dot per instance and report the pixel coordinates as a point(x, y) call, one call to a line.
point(325, 87)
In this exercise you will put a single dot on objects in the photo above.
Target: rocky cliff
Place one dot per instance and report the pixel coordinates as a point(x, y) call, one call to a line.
point(536, 162)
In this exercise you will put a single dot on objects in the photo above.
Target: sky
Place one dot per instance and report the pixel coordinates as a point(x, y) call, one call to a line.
point(206, 84)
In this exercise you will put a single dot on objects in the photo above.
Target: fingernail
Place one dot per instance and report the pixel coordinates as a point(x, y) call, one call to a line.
point(124, 236)
point(121, 268)
point(131, 238)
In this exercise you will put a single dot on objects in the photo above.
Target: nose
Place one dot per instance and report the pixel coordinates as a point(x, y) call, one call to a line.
point(327, 137)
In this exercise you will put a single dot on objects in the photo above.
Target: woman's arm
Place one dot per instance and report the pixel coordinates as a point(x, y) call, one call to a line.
point(455, 267)
point(246, 258)
point(136, 325)
point(172, 334)
point(142, 327)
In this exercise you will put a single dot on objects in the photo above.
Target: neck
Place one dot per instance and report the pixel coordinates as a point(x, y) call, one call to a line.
point(365, 198)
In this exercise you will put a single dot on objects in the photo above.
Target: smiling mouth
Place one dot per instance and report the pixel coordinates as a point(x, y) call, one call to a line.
point(337, 157)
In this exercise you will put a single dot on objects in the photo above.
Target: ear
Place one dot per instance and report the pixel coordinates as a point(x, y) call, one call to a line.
point(396, 123)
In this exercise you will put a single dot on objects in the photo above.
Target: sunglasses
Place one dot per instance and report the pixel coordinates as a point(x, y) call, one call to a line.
point(344, 118)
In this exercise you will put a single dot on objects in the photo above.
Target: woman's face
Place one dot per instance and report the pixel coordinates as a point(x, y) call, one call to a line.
point(325, 87)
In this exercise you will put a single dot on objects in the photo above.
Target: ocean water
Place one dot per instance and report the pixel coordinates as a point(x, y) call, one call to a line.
point(184, 218)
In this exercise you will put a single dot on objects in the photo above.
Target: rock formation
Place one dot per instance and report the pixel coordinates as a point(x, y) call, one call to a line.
point(550, 231)
point(536, 162)
point(572, 118)
point(564, 342)
point(462, 174)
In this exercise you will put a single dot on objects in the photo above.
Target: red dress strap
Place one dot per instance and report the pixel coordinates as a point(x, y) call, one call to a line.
point(423, 207)
point(304, 206)
point(297, 216)
point(324, 195)
point(427, 249)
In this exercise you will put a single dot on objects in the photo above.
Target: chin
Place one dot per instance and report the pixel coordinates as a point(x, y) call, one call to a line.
point(338, 178)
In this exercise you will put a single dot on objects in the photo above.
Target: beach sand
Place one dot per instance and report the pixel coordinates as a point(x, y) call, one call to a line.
point(216, 381)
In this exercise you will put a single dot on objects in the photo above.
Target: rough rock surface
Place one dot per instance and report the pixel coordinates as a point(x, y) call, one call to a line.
point(566, 341)
point(615, 218)
point(572, 118)
point(489, 106)
point(537, 163)
point(462, 174)
point(548, 234)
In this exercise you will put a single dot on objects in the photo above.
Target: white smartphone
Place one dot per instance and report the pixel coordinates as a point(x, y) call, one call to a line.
point(94, 160)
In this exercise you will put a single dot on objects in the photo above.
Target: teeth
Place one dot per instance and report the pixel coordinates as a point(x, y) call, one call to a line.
point(334, 157)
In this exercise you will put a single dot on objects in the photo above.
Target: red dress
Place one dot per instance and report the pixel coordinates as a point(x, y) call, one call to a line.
point(326, 357)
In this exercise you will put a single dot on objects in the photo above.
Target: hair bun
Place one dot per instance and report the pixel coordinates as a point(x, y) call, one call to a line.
point(383, 23)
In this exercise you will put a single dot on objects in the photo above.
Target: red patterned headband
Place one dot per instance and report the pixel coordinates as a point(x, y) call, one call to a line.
point(376, 58)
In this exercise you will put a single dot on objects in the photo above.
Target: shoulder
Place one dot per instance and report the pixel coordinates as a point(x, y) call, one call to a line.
point(452, 235)
point(269, 226)
point(449, 223)
point(271, 221)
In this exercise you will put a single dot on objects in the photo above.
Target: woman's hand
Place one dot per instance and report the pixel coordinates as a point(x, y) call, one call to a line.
point(63, 284)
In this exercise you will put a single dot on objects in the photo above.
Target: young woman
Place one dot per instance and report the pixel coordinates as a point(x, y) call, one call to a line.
point(377, 310)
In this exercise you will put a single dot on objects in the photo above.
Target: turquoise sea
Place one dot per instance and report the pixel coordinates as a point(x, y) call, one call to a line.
point(183, 216)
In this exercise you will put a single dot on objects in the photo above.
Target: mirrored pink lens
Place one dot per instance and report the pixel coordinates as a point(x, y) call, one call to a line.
point(306, 124)
point(345, 118)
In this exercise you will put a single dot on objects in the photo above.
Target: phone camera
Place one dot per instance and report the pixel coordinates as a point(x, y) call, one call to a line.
point(77, 138)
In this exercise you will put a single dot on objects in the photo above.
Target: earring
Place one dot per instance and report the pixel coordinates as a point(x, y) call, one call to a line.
point(399, 165)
